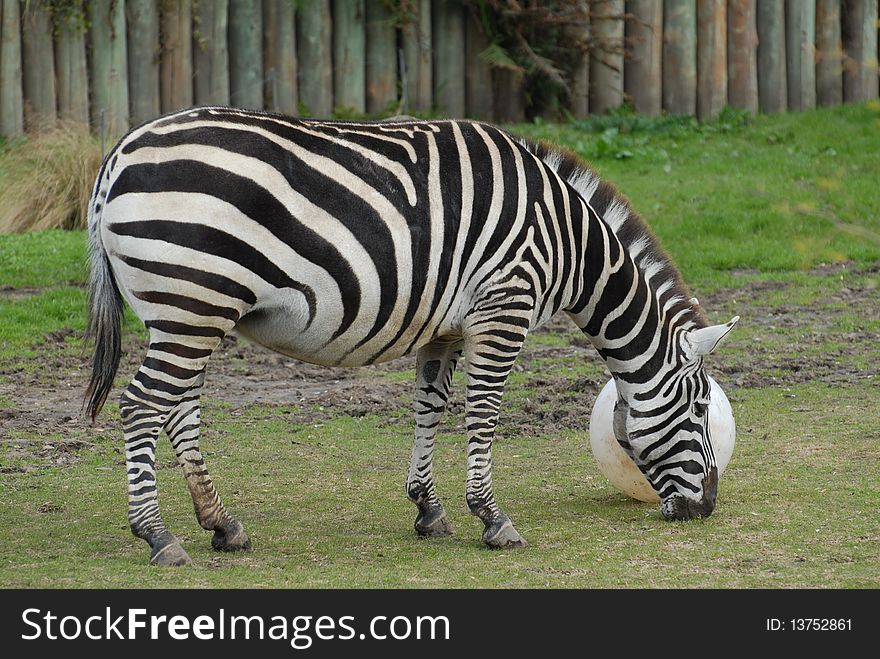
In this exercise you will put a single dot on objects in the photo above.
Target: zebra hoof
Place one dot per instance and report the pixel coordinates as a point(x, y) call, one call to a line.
point(433, 524)
point(501, 534)
point(231, 538)
point(169, 554)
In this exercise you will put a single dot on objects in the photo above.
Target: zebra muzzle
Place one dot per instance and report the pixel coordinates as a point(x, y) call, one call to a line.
point(680, 508)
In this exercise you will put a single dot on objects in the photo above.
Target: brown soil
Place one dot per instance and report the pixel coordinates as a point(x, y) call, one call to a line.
point(793, 344)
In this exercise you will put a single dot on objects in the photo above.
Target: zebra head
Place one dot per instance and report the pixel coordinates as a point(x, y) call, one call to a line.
point(663, 425)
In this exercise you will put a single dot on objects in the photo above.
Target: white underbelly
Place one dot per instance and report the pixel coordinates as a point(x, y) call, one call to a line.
point(281, 323)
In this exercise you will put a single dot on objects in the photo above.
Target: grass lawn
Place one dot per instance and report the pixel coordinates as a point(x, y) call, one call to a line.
point(774, 218)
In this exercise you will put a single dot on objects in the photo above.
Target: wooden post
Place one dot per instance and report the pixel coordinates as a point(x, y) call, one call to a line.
point(349, 56)
point(449, 57)
point(381, 59)
point(829, 53)
point(176, 80)
point(269, 47)
point(742, 57)
point(314, 50)
point(800, 53)
point(279, 58)
point(479, 100)
point(680, 56)
point(580, 75)
point(606, 62)
point(860, 82)
point(143, 59)
point(509, 95)
point(70, 65)
point(642, 70)
point(11, 95)
point(772, 85)
point(246, 54)
point(711, 57)
point(418, 78)
point(38, 67)
point(109, 67)
point(211, 53)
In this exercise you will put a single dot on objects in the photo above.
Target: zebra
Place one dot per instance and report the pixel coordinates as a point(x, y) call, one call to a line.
point(354, 243)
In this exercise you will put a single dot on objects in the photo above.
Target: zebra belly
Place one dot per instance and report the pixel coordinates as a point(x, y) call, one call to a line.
point(278, 323)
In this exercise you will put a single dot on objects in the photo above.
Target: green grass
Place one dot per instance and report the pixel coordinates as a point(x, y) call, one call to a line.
point(742, 206)
point(47, 272)
point(325, 508)
point(44, 258)
point(774, 193)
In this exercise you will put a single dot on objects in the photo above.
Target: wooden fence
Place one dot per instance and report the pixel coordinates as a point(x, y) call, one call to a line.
point(126, 61)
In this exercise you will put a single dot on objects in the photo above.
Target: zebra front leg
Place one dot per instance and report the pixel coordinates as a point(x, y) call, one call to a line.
point(141, 423)
point(490, 356)
point(435, 365)
point(183, 427)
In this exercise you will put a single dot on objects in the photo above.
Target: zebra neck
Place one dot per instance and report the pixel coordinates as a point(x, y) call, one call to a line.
point(632, 301)
point(629, 308)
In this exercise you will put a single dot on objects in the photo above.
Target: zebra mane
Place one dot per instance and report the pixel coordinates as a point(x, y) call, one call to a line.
point(629, 227)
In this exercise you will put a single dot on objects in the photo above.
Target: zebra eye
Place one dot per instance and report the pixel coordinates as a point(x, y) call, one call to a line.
point(701, 408)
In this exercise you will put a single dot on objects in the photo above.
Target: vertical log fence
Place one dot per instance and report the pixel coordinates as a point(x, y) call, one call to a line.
point(127, 61)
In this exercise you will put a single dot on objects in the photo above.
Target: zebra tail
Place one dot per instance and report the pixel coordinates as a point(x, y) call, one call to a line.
point(105, 318)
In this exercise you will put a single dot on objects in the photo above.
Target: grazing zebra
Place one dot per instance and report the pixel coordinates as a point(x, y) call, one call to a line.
point(347, 244)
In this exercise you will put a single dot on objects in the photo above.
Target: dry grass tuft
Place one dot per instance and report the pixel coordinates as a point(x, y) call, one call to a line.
point(46, 180)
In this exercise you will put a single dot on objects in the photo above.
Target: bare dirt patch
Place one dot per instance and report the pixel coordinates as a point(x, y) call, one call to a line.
point(8, 292)
point(828, 341)
point(242, 373)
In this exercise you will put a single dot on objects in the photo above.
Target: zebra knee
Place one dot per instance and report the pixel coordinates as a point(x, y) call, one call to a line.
point(431, 370)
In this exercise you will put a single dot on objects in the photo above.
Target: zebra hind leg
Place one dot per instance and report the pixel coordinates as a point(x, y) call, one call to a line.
point(435, 364)
point(491, 349)
point(182, 427)
point(144, 407)
point(164, 395)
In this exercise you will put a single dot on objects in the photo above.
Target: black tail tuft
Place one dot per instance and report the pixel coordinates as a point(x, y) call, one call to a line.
point(105, 320)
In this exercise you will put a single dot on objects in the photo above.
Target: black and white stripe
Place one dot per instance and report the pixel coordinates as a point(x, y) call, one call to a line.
point(344, 243)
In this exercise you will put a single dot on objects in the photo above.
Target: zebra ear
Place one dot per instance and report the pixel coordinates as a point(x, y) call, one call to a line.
point(704, 340)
